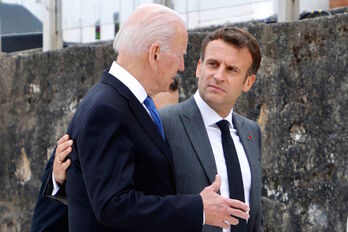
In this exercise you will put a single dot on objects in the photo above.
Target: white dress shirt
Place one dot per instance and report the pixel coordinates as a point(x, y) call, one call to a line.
point(210, 118)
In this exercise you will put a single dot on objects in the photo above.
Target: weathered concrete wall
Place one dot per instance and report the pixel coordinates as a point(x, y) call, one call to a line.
point(300, 100)
point(38, 96)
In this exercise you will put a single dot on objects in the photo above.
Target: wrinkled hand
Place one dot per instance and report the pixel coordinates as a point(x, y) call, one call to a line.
point(61, 163)
point(220, 211)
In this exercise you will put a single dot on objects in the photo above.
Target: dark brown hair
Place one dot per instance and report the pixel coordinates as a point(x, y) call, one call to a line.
point(239, 38)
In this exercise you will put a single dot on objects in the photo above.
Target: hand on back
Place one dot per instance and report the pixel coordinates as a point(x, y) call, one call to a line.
point(61, 161)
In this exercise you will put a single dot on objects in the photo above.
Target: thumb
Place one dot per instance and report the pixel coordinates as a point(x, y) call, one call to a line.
point(215, 186)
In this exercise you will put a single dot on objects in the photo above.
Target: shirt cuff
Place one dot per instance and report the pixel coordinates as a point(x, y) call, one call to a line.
point(203, 217)
point(55, 185)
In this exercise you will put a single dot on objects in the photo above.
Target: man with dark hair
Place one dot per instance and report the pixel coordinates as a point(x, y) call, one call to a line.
point(207, 137)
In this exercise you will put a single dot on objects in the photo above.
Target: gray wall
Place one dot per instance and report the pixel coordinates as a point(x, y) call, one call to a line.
point(300, 101)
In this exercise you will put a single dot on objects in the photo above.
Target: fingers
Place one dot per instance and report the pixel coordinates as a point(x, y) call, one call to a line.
point(225, 224)
point(221, 211)
point(236, 204)
point(61, 163)
point(63, 139)
point(61, 157)
point(238, 209)
point(63, 146)
point(237, 213)
point(66, 164)
point(60, 167)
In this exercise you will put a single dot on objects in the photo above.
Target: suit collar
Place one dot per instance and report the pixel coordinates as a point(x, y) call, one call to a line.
point(193, 122)
point(128, 80)
point(139, 113)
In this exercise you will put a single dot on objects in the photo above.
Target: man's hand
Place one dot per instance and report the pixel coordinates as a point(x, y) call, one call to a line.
point(221, 211)
point(61, 163)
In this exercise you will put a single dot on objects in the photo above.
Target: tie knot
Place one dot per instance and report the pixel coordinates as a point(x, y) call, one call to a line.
point(149, 103)
point(224, 125)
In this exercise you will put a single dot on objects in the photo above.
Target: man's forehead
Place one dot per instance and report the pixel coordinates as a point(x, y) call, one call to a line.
point(217, 47)
point(229, 59)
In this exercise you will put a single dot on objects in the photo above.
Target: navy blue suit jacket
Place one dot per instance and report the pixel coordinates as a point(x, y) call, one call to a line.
point(121, 176)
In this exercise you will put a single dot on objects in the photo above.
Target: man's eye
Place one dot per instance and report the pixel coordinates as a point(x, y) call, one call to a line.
point(231, 69)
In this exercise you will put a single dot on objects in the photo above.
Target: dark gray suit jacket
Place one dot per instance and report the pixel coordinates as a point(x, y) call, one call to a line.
point(193, 157)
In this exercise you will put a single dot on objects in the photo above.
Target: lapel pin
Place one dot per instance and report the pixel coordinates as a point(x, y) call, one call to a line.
point(249, 137)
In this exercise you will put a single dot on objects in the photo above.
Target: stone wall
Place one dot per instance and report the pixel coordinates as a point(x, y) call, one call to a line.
point(300, 100)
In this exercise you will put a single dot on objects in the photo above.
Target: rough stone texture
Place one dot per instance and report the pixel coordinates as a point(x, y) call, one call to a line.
point(300, 101)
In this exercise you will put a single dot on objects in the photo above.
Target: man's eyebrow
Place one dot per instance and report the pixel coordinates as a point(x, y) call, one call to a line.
point(211, 59)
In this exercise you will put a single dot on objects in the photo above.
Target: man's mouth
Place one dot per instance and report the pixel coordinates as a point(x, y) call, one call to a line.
point(216, 88)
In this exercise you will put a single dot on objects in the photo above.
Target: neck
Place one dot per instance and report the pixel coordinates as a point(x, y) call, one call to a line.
point(221, 109)
point(138, 68)
point(223, 113)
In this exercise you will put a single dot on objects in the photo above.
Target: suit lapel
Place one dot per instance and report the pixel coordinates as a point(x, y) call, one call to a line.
point(150, 128)
point(249, 147)
point(195, 129)
point(140, 114)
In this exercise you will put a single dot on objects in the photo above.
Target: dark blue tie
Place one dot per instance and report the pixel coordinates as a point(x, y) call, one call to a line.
point(150, 105)
point(235, 180)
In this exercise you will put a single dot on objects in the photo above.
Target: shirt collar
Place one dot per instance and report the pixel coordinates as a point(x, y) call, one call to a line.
point(209, 116)
point(128, 80)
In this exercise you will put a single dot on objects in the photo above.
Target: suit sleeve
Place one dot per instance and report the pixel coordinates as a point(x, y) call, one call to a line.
point(60, 196)
point(107, 163)
point(49, 215)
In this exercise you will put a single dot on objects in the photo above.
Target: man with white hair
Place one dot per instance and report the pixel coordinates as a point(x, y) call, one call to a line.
point(121, 176)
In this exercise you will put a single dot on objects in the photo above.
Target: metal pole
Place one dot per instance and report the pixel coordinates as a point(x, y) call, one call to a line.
point(52, 30)
point(288, 10)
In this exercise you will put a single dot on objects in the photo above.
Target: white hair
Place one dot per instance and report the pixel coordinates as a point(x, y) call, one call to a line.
point(150, 23)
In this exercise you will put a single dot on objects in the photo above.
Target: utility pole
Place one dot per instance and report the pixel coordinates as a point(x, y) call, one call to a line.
point(52, 25)
point(288, 10)
point(0, 36)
